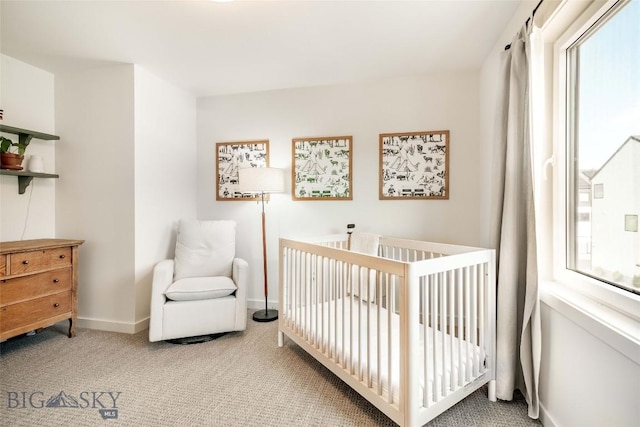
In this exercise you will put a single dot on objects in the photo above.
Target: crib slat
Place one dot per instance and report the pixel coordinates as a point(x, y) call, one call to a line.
point(467, 325)
point(309, 295)
point(434, 340)
point(482, 279)
point(288, 284)
point(292, 285)
point(351, 335)
point(296, 304)
point(379, 285)
point(442, 329)
point(474, 318)
point(357, 302)
point(391, 293)
point(460, 334)
point(424, 281)
point(317, 301)
point(305, 287)
point(369, 296)
point(345, 325)
point(341, 317)
point(451, 333)
point(334, 316)
point(321, 303)
point(319, 328)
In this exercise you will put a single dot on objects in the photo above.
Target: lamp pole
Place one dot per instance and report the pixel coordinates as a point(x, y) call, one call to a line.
point(264, 315)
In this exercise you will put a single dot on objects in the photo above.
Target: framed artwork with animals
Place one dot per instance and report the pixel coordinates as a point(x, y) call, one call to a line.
point(231, 156)
point(321, 168)
point(414, 165)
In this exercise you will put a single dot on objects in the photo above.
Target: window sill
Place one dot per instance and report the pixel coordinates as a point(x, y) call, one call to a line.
point(616, 329)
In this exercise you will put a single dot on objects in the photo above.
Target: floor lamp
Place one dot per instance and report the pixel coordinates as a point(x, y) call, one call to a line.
point(262, 181)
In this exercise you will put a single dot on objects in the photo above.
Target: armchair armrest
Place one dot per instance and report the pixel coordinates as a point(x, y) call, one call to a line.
point(240, 276)
point(162, 278)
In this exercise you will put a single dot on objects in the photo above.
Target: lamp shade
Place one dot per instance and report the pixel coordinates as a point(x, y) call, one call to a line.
point(260, 180)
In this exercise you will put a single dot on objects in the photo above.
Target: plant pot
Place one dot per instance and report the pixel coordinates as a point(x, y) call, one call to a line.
point(11, 161)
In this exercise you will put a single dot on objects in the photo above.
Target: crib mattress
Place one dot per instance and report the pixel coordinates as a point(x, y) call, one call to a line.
point(348, 331)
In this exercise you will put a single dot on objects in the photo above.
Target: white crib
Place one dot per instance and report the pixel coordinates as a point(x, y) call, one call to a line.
point(412, 329)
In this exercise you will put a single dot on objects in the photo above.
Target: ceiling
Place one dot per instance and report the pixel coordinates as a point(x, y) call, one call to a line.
point(211, 48)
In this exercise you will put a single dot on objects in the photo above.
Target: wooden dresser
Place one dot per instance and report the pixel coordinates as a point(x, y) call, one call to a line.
point(38, 285)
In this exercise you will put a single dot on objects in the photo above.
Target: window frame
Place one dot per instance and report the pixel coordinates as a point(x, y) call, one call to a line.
point(613, 297)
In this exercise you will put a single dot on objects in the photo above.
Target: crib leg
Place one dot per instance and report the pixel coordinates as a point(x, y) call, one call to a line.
point(492, 391)
point(280, 339)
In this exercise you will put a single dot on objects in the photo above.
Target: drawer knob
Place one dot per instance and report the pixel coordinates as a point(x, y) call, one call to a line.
point(56, 305)
point(56, 280)
point(25, 262)
point(61, 256)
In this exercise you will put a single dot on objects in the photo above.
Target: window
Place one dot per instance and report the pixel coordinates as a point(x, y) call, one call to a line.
point(598, 191)
point(603, 149)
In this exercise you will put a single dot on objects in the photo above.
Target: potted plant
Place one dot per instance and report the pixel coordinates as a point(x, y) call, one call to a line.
point(11, 154)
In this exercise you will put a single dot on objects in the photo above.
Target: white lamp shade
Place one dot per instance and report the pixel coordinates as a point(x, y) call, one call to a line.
point(260, 180)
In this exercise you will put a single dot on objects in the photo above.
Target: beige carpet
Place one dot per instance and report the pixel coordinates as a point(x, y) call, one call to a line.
point(237, 380)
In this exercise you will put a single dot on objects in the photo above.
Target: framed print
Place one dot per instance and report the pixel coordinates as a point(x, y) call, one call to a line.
point(321, 168)
point(231, 156)
point(414, 165)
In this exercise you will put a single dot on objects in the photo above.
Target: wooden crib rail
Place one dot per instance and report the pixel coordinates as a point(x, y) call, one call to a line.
point(348, 257)
point(388, 243)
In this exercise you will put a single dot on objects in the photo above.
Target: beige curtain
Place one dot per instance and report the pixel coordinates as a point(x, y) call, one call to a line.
point(518, 317)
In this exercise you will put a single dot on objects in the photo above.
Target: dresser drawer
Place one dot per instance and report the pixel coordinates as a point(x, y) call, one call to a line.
point(16, 315)
point(35, 286)
point(26, 262)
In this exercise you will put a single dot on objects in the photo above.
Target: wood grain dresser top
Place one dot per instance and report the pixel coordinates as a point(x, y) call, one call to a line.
point(30, 245)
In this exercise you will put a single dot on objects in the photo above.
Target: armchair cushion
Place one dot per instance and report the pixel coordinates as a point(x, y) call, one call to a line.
point(199, 288)
point(204, 248)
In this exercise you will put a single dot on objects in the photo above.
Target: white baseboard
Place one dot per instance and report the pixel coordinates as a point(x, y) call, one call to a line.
point(141, 325)
point(113, 326)
point(259, 304)
point(546, 419)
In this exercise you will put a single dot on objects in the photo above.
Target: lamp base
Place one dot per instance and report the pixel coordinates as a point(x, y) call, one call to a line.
point(265, 315)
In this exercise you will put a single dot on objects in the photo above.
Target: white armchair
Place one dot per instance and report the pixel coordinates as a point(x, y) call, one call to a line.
point(203, 290)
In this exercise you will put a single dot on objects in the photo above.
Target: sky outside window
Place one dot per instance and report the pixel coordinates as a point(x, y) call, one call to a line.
point(609, 93)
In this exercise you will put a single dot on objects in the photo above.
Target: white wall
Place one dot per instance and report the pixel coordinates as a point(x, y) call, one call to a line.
point(27, 98)
point(433, 102)
point(584, 381)
point(95, 194)
point(129, 174)
point(126, 160)
point(165, 175)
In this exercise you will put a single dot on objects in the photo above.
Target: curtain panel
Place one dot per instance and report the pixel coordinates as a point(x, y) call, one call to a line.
point(514, 237)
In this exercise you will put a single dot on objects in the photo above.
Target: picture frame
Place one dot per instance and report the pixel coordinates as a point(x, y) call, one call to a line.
point(322, 168)
point(231, 156)
point(414, 165)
